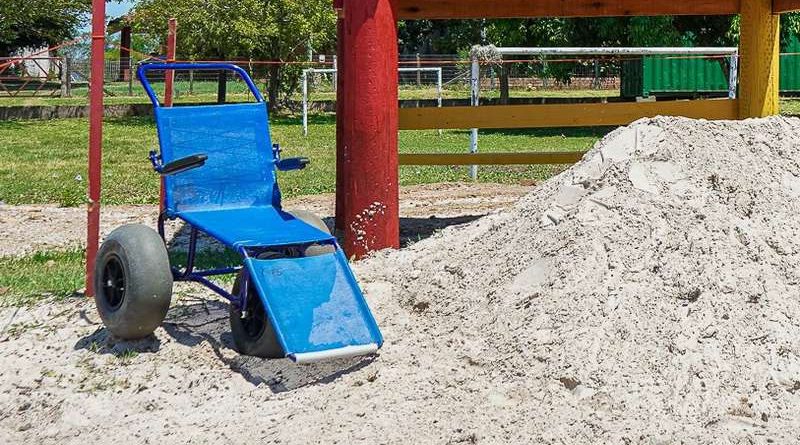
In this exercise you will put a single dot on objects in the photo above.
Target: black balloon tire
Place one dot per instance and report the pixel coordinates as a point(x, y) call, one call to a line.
point(254, 334)
point(132, 281)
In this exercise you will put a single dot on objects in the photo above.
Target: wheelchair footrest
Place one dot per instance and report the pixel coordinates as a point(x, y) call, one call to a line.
point(331, 354)
point(315, 306)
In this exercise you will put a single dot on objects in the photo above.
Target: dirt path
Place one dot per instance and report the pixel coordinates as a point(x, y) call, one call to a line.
point(424, 209)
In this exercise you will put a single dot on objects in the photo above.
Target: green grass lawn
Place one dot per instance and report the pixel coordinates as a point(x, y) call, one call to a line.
point(45, 161)
point(790, 106)
point(24, 280)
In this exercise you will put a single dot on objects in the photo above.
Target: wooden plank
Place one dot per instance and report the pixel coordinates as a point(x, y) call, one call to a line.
point(565, 157)
point(474, 9)
point(561, 115)
point(781, 6)
point(759, 51)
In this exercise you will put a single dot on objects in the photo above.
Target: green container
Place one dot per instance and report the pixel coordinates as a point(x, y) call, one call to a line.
point(790, 68)
point(678, 75)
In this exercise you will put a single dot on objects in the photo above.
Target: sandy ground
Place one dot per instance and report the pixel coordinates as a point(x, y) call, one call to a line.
point(648, 295)
point(78, 356)
point(424, 209)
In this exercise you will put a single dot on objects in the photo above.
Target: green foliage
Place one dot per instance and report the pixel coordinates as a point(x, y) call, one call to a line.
point(37, 23)
point(283, 30)
point(454, 36)
point(790, 27)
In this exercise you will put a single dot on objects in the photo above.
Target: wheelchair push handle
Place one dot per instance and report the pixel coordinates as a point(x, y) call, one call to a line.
point(141, 73)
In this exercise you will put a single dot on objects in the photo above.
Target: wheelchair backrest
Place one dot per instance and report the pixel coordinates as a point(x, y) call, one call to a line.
point(240, 170)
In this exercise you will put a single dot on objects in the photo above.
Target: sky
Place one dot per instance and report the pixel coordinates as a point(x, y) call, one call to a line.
point(114, 9)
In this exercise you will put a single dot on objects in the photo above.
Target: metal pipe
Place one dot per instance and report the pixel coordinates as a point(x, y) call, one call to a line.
point(733, 76)
point(439, 92)
point(475, 85)
point(632, 51)
point(305, 102)
point(95, 139)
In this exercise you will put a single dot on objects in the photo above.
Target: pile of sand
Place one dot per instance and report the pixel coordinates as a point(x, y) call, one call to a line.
point(653, 290)
point(649, 294)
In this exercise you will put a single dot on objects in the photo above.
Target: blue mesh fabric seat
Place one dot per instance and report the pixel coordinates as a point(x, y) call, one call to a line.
point(234, 196)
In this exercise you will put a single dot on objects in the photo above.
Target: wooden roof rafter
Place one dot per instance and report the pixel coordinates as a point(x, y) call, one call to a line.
point(475, 9)
point(780, 6)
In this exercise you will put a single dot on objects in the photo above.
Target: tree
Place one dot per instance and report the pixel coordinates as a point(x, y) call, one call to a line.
point(275, 30)
point(37, 23)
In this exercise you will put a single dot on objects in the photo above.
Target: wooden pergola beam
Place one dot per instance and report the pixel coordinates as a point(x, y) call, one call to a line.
point(781, 6)
point(561, 115)
point(475, 9)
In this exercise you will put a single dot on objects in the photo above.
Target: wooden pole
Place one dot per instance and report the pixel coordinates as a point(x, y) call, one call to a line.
point(222, 86)
point(759, 50)
point(169, 87)
point(95, 138)
point(169, 75)
point(368, 122)
point(504, 84)
point(64, 75)
point(125, 54)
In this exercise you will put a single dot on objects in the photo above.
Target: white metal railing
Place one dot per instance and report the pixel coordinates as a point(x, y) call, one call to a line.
point(731, 52)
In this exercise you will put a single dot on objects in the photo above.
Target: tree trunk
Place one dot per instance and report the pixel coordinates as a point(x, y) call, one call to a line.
point(274, 85)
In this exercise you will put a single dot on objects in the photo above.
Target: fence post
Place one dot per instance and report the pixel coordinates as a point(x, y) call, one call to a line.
point(64, 77)
point(335, 72)
point(504, 84)
point(419, 73)
point(439, 91)
point(305, 101)
point(222, 86)
point(596, 82)
point(475, 85)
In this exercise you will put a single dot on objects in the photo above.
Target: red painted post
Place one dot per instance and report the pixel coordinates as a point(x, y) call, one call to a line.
point(95, 138)
point(340, 170)
point(369, 123)
point(169, 75)
point(169, 82)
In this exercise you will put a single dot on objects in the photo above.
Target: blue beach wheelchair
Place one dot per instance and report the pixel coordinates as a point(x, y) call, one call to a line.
point(294, 296)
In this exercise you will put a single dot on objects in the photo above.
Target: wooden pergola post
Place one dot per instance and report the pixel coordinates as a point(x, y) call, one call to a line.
point(759, 50)
point(368, 122)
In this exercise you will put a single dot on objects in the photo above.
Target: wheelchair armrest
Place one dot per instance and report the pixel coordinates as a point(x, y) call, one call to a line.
point(183, 164)
point(292, 164)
